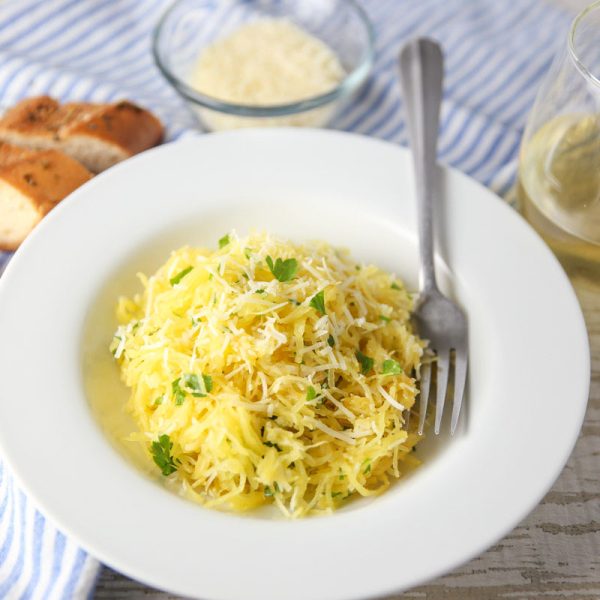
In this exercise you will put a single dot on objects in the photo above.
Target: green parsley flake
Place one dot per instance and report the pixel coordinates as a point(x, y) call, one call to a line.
point(272, 445)
point(366, 362)
point(367, 469)
point(268, 492)
point(331, 341)
point(224, 241)
point(283, 270)
point(178, 393)
point(261, 291)
point(199, 390)
point(175, 280)
point(247, 253)
point(115, 347)
point(391, 367)
point(311, 393)
point(161, 454)
point(395, 286)
point(384, 318)
point(318, 302)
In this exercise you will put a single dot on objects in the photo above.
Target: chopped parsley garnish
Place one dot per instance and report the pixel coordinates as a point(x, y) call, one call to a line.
point(335, 494)
point(271, 492)
point(341, 475)
point(247, 253)
point(283, 270)
point(331, 341)
point(159, 400)
point(224, 241)
point(311, 393)
point(115, 347)
point(192, 382)
point(367, 469)
point(395, 286)
point(161, 454)
point(273, 445)
point(178, 393)
point(318, 302)
point(261, 291)
point(391, 367)
point(366, 362)
point(384, 318)
point(175, 280)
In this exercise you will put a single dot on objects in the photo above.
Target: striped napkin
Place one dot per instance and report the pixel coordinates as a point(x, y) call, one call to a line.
point(99, 50)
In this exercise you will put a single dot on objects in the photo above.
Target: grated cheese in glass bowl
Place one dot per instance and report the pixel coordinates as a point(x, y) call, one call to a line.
point(264, 64)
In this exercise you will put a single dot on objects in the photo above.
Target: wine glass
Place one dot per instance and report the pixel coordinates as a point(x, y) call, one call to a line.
point(559, 162)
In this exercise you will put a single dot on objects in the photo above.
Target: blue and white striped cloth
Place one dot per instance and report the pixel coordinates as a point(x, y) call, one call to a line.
point(99, 50)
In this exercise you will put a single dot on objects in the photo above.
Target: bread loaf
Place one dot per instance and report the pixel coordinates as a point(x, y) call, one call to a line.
point(31, 184)
point(97, 135)
point(110, 134)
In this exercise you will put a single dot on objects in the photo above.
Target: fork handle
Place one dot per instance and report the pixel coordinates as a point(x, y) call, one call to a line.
point(421, 74)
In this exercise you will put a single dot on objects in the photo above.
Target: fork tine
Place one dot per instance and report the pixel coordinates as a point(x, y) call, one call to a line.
point(424, 395)
point(460, 377)
point(443, 366)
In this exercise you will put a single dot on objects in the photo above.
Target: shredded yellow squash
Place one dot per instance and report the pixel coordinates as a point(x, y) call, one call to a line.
point(269, 372)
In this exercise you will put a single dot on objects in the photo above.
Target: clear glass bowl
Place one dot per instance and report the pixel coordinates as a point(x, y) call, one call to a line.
point(191, 25)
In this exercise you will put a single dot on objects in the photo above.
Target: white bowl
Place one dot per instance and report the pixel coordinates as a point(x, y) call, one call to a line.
point(528, 380)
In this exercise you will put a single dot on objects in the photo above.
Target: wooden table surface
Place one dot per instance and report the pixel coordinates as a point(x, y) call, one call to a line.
point(554, 553)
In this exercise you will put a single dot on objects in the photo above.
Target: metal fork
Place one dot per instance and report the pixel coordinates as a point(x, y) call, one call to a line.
point(436, 318)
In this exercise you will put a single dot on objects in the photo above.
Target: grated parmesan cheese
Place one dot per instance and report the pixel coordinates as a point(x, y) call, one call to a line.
point(266, 63)
point(240, 372)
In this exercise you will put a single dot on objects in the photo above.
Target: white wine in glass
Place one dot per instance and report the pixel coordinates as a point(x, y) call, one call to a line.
point(559, 165)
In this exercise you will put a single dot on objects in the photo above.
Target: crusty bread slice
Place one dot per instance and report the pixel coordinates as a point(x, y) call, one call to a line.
point(37, 123)
point(110, 135)
point(19, 216)
point(10, 154)
point(31, 187)
point(31, 123)
point(97, 135)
